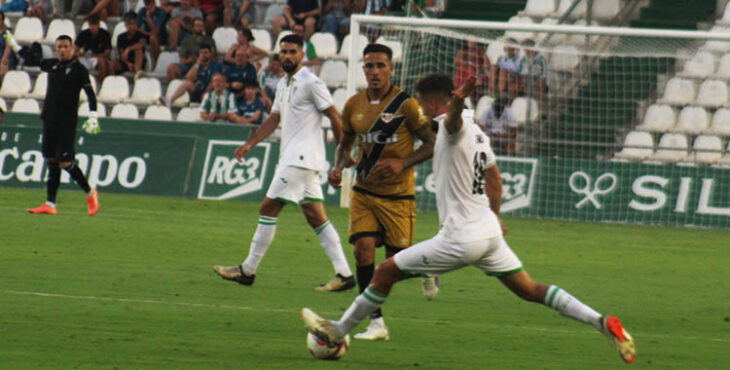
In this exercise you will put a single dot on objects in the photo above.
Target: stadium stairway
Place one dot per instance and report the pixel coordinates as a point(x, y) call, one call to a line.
point(484, 10)
point(676, 14)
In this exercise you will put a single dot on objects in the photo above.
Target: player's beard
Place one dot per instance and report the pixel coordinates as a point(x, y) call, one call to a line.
point(289, 67)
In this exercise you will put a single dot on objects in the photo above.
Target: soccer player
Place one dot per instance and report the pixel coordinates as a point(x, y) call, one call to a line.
point(471, 231)
point(66, 78)
point(387, 121)
point(300, 102)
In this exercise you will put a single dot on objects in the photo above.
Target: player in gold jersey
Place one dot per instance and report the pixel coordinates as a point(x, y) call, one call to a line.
point(386, 121)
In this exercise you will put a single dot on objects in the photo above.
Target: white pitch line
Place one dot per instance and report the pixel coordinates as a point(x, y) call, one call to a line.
point(293, 311)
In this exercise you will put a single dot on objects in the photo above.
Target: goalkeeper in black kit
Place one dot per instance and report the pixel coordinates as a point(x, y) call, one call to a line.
point(66, 78)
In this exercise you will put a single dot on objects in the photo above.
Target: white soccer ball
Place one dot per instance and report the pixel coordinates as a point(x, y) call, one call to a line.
point(319, 349)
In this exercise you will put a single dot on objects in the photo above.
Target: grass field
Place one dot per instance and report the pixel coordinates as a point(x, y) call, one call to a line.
point(133, 288)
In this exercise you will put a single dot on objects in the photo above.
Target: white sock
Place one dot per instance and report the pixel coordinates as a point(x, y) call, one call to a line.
point(330, 241)
point(365, 304)
point(51, 204)
point(569, 306)
point(260, 244)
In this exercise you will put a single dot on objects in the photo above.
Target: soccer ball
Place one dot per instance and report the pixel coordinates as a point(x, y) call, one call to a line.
point(319, 349)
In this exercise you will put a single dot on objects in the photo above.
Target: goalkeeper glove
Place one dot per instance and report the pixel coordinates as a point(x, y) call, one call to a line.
point(91, 125)
point(10, 40)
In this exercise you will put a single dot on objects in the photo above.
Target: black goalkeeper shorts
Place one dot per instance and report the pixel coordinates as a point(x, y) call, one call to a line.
point(58, 143)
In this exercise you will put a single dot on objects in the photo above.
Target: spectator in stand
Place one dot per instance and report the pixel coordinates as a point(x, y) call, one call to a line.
point(250, 109)
point(245, 37)
point(177, 70)
point(507, 72)
point(304, 12)
point(212, 13)
point(131, 46)
point(152, 22)
point(102, 8)
point(8, 58)
point(472, 60)
point(237, 13)
point(182, 22)
point(198, 78)
point(310, 53)
point(533, 72)
point(15, 6)
point(219, 104)
point(192, 43)
point(94, 48)
point(501, 125)
point(270, 79)
point(40, 9)
point(239, 73)
point(336, 18)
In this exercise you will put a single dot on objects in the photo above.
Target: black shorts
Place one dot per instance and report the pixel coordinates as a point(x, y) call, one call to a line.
point(58, 143)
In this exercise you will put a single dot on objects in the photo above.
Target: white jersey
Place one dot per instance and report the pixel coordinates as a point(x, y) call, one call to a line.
point(299, 101)
point(459, 162)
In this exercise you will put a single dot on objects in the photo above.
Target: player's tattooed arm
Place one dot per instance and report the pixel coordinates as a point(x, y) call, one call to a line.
point(425, 151)
point(343, 159)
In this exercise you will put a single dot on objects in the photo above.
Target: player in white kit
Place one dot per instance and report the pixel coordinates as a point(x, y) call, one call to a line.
point(471, 233)
point(300, 102)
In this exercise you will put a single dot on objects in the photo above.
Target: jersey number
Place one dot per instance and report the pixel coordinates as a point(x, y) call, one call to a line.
point(480, 165)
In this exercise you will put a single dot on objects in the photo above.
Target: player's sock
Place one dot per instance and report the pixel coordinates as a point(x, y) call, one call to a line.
point(54, 181)
point(364, 275)
point(260, 243)
point(569, 306)
point(330, 241)
point(79, 177)
point(365, 304)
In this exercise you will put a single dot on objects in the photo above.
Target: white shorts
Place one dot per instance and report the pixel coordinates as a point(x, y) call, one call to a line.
point(295, 185)
point(435, 257)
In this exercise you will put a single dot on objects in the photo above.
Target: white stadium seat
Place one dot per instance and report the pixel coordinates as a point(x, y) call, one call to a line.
point(181, 101)
point(360, 81)
point(521, 106)
point(658, 118)
point(59, 27)
point(325, 43)
point(118, 30)
point(3, 105)
point(394, 45)
point(701, 65)
point(565, 58)
point(720, 122)
point(679, 91)
point(188, 114)
point(39, 88)
point(146, 91)
point(340, 98)
point(723, 67)
point(276, 46)
point(692, 120)
point(581, 39)
point(713, 93)
point(482, 105)
point(362, 42)
point(163, 60)
point(638, 145)
point(102, 25)
point(494, 51)
point(718, 46)
point(725, 161)
point(262, 39)
point(671, 148)
point(224, 38)
point(520, 36)
point(158, 113)
point(725, 16)
point(707, 149)
point(28, 30)
point(114, 89)
point(334, 73)
point(578, 12)
point(84, 109)
point(540, 8)
point(123, 110)
point(16, 84)
point(555, 38)
point(26, 106)
point(606, 10)
point(82, 93)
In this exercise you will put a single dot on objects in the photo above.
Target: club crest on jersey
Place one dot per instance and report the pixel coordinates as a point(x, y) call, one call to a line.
point(386, 117)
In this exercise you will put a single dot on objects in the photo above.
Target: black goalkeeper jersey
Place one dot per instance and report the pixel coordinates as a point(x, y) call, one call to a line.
point(65, 81)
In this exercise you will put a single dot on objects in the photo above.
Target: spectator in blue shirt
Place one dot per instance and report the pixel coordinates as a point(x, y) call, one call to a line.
point(8, 59)
point(250, 108)
point(152, 22)
point(239, 73)
point(197, 80)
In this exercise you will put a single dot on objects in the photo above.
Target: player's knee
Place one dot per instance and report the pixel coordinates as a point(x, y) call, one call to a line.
point(364, 254)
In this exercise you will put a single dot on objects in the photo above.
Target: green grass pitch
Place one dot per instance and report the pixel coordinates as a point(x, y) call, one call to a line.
point(133, 287)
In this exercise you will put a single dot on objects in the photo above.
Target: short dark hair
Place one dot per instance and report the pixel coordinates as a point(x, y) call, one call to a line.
point(378, 48)
point(130, 16)
point(148, 1)
point(250, 84)
point(64, 38)
point(437, 83)
point(94, 19)
point(247, 33)
point(293, 39)
point(2, 13)
point(205, 45)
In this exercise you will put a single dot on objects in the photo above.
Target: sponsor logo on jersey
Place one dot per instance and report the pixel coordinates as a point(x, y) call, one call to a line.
point(224, 177)
point(378, 137)
point(386, 117)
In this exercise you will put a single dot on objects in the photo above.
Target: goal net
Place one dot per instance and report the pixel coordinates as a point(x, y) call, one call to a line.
point(589, 123)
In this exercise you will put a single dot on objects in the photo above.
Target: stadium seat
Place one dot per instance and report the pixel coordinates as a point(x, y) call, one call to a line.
point(713, 93)
point(718, 46)
point(539, 8)
point(720, 122)
point(555, 38)
point(224, 38)
point(701, 65)
point(28, 30)
point(84, 109)
point(16, 84)
point(725, 161)
point(638, 145)
point(47, 51)
point(723, 67)
point(188, 114)
point(495, 50)
point(334, 73)
point(39, 88)
point(158, 113)
point(394, 45)
point(59, 27)
point(565, 58)
point(102, 24)
point(725, 20)
point(3, 105)
point(82, 93)
point(679, 91)
point(123, 110)
point(181, 101)
point(520, 36)
point(163, 61)
point(114, 89)
point(671, 148)
point(658, 118)
point(606, 10)
point(577, 39)
point(346, 44)
point(482, 105)
point(26, 106)
point(578, 12)
point(521, 106)
point(278, 40)
point(118, 30)
point(146, 91)
point(262, 39)
point(325, 43)
point(340, 98)
point(692, 120)
point(360, 81)
point(707, 149)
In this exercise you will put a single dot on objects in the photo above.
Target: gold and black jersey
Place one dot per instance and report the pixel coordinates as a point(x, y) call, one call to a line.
point(384, 129)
